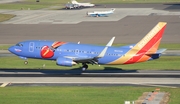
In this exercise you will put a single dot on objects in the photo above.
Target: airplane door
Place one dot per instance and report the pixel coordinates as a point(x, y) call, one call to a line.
point(31, 47)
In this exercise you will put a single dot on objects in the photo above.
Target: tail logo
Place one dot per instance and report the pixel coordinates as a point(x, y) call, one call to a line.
point(149, 36)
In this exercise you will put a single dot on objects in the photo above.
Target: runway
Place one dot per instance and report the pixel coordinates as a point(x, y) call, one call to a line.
point(88, 73)
point(90, 81)
point(90, 78)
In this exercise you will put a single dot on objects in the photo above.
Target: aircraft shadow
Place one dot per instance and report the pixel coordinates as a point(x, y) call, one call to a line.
point(173, 6)
point(65, 73)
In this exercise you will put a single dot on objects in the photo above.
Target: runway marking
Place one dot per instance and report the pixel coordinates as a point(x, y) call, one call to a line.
point(4, 84)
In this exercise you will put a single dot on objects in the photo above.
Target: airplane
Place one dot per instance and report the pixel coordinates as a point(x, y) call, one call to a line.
point(82, 4)
point(71, 6)
point(100, 13)
point(69, 54)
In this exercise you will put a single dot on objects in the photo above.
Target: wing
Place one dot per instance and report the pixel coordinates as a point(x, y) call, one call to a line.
point(89, 59)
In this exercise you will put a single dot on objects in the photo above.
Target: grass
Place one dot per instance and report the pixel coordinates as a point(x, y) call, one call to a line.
point(78, 95)
point(32, 4)
point(5, 17)
point(134, 1)
point(164, 63)
point(5, 46)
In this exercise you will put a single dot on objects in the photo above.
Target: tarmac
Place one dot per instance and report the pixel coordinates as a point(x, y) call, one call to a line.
point(128, 25)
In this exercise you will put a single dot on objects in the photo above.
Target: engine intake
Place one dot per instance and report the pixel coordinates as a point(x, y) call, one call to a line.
point(61, 61)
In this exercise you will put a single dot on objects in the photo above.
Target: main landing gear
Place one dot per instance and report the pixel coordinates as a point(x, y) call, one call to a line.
point(84, 66)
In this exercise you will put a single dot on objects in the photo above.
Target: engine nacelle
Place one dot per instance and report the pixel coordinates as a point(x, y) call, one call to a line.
point(61, 61)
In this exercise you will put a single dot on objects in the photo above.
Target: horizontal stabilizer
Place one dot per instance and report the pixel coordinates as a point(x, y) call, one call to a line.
point(157, 52)
point(161, 50)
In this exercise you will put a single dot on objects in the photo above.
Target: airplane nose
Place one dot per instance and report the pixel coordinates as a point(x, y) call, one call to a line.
point(11, 49)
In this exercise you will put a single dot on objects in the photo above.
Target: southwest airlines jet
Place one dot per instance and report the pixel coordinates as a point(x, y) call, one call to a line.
point(69, 54)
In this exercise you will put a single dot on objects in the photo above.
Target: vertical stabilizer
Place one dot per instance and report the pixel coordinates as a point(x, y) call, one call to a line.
point(149, 44)
point(151, 41)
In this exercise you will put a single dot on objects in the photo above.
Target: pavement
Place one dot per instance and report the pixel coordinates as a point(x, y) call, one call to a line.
point(155, 82)
point(128, 30)
point(128, 25)
point(77, 16)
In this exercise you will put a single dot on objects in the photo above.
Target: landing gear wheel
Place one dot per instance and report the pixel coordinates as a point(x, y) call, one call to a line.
point(85, 67)
point(25, 62)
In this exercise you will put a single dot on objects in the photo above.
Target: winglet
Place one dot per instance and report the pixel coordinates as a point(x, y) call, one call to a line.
point(105, 49)
point(110, 42)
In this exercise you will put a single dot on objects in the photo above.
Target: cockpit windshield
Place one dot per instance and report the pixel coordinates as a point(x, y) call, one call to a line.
point(19, 44)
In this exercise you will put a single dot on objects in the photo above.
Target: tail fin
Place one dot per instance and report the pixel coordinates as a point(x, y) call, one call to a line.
point(148, 45)
point(151, 41)
point(144, 49)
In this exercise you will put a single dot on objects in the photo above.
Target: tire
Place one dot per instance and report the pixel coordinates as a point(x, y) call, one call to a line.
point(25, 62)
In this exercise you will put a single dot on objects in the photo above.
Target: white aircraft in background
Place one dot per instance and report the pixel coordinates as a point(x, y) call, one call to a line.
point(82, 4)
point(71, 6)
point(100, 13)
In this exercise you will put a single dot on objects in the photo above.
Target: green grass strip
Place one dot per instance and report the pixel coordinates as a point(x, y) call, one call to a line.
point(164, 63)
point(78, 95)
point(5, 17)
point(31, 4)
point(134, 1)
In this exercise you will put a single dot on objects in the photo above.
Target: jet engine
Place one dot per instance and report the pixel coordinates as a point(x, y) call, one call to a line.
point(61, 61)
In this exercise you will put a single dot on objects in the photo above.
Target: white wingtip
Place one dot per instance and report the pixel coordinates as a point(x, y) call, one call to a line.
point(110, 42)
point(105, 49)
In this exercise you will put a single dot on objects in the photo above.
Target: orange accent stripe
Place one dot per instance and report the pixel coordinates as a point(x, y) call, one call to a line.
point(57, 44)
point(153, 49)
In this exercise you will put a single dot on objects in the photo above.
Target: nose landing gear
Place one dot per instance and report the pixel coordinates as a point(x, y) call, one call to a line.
point(84, 67)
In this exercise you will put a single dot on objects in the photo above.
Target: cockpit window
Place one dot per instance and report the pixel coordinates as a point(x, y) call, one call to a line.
point(19, 44)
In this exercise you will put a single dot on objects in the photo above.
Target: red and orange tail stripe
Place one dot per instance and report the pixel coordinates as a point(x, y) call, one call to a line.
point(57, 44)
point(149, 43)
